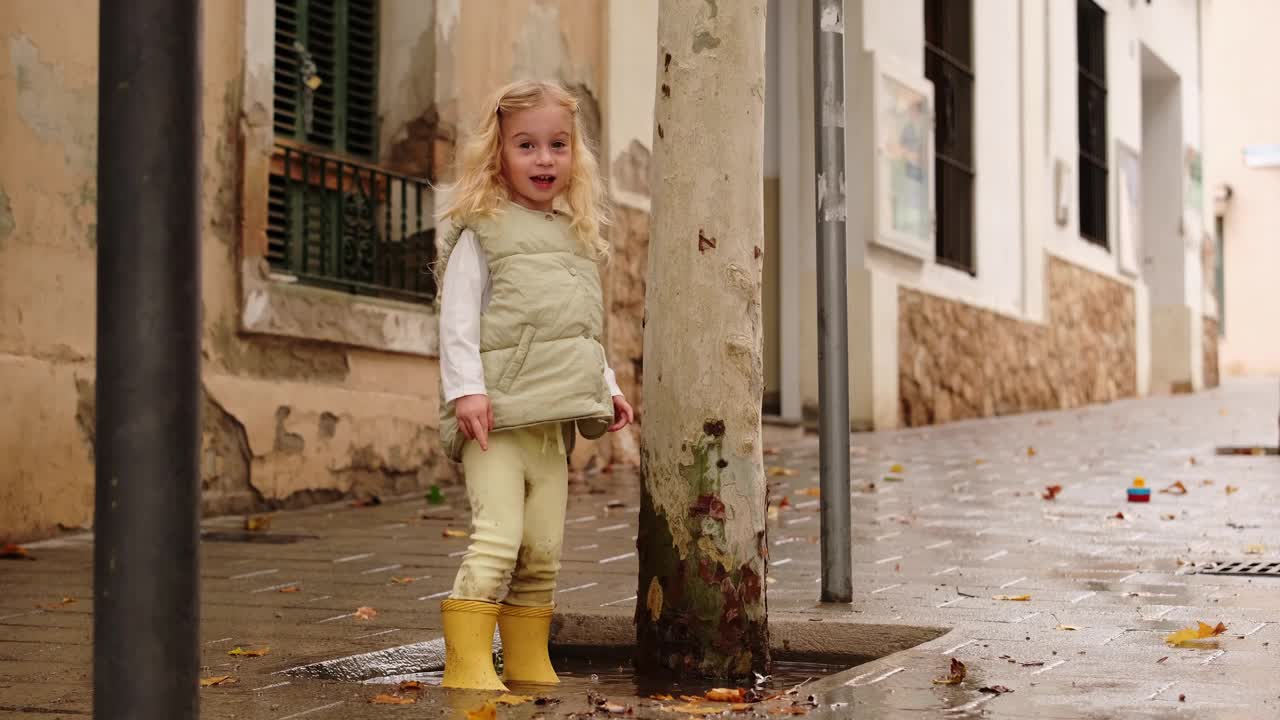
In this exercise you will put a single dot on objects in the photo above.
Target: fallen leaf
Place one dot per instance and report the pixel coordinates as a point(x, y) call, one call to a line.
point(980, 461)
point(15, 552)
point(389, 699)
point(487, 711)
point(955, 677)
point(1166, 657)
point(1168, 516)
point(255, 523)
point(452, 533)
point(1051, 492)
point(1068, 627)
point(1031, 452)
point(1118, 516)
point(995, 690)
point(239, 651)
point(896, 469)
point(366, 613)
point(653, 599)
point(691, 709)
point(729, 695)
point(1206, 481)
point(891, 478)
point(54, 606)
point(782, 472)
point(1232, 489)
point(1176, 488)
point(407, 685)
point(397, 580)
point(1015, 598)
point(1193, 460)
point(1257, 451)
point(1035, 663)
point(785, 502)
point(509, 699)
point(661, 697)
point(1255, 549)
point(219, 680)
point(1200, 632)
point(290, 589)
point(811, 492)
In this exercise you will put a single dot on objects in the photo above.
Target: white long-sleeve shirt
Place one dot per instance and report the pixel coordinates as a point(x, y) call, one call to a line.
point(466, 295)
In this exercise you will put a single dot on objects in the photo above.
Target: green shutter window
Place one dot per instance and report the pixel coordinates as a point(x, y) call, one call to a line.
point(335, 218)
point(326, 70)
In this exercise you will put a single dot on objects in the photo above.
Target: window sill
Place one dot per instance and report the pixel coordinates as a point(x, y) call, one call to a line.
point(272, 304)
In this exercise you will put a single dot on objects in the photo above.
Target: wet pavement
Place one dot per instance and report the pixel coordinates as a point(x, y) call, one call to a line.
point(963, 521)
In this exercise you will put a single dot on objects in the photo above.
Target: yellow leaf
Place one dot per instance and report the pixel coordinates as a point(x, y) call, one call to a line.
point(219, 680)
point(661, 697)
point(451, 533)
point(509, 699)
point(1255, 549)
point(395, 580)
point(1175, 489)
point(896, 469)
point(1015, 598)
point(782, 472)
point(366, 613)
point(653, 599)
point(1200, 632)
point(729, 695)
point(691, 709)
point(254, 523)
point(389, 699)
point(239, 651)
point(1031, 452)
point(955, 677)
point(811, 492)
point(290, 589)
point(1068, 627)
point(1232, 489)
point(487, 711)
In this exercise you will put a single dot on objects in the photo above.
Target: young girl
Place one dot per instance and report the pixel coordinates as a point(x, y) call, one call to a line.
point(521, 364)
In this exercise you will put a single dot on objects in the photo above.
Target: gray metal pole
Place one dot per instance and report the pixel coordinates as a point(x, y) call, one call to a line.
point(146, 659)
point(833, 311)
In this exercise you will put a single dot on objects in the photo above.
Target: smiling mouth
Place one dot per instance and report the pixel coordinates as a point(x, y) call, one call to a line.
point(543, 181)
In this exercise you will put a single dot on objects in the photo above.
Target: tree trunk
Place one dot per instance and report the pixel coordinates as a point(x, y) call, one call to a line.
point(701, 607)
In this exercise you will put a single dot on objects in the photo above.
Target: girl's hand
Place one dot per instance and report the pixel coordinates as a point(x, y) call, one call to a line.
point(622, 413)
point(475, 418)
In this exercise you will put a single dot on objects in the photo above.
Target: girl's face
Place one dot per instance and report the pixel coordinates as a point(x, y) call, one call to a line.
point(537, 154)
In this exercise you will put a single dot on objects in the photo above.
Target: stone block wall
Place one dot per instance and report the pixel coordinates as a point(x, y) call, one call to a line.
point(957, 361)
point(1211, 376)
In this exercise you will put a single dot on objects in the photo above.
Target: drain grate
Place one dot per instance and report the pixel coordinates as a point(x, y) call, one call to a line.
point(244, 536)
point(1260, 568)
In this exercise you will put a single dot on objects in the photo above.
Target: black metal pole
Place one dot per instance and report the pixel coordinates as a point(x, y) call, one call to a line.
point(833, 310)
point(146, 564)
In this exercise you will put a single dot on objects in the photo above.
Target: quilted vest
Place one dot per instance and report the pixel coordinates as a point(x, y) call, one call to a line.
point(540, 336)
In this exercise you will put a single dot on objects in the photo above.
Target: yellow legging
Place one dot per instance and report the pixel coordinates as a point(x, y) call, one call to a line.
point(517, 488)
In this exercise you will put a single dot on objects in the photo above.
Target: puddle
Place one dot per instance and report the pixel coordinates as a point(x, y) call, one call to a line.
point(616, 677)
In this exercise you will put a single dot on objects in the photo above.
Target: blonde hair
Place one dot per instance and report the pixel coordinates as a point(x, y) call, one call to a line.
point(482, 188)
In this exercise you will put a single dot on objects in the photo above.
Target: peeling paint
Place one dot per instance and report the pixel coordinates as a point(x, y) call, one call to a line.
point(831, 198)
point(57, 114)
point(704, 40)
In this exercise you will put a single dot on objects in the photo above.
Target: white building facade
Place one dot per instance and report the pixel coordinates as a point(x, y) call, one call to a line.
point(1026, 207)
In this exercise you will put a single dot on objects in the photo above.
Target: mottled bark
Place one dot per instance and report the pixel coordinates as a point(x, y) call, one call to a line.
point(701, 607)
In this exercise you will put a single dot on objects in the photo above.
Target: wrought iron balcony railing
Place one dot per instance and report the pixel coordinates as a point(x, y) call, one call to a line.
point(347, 225)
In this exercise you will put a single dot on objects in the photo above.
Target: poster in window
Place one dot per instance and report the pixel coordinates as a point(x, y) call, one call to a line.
point(903, 118)
point(1129, 208)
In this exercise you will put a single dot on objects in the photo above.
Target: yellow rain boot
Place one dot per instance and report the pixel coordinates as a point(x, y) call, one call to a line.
point(468, 644)
point(526, 632)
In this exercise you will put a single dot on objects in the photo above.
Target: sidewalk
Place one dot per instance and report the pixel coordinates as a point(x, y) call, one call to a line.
point(966, 522)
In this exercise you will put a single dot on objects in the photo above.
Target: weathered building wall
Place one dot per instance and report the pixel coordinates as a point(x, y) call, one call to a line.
point(309, 394)
point(958, 361)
